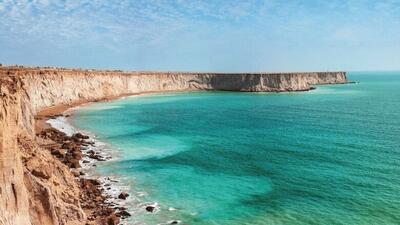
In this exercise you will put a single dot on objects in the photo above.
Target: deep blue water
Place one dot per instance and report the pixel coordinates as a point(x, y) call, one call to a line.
point(329, 156)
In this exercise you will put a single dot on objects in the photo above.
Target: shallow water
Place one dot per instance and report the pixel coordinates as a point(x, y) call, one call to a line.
point(329, 156)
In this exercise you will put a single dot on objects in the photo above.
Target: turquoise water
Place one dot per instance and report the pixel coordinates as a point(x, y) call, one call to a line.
point(329, 156)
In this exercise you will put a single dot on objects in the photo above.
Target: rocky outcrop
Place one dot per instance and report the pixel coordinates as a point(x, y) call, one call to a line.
point(35, 187)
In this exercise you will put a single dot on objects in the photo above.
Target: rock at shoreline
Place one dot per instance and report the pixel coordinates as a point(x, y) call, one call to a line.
point(77, 155)
point(75, 173)
point(113, 220)
point(96, 157)
point(69, 151)
point(79, 135)
point(74, 163)
point(123, 195)
point(123, 214)
point(150, 208)
point(60, 153)
point(68, 145)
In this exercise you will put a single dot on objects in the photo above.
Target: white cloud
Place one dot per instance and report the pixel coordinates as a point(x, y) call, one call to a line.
point(127, 25)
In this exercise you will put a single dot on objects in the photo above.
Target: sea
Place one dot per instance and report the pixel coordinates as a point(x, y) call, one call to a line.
point(326, 156)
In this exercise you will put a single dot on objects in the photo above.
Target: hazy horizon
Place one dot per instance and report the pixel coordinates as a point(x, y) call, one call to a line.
point(219, 36)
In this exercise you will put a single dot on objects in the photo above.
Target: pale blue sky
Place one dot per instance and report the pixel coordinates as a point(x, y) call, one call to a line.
point(183, 35)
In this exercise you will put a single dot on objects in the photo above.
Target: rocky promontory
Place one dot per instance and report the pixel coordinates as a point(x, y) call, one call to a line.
point(38, 185)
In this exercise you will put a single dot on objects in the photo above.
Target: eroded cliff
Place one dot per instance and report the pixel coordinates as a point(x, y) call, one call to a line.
point(35, 188)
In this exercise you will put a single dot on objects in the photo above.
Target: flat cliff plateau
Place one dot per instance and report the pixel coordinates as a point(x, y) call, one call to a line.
point(36, 188)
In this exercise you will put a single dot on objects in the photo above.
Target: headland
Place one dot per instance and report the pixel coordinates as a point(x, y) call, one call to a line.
point(40, 181)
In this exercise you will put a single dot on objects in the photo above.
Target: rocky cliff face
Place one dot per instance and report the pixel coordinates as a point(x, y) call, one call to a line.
point(52, 87)
point(37, 189)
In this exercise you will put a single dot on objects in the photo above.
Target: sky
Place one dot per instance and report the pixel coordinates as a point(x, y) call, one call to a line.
point(202, 35)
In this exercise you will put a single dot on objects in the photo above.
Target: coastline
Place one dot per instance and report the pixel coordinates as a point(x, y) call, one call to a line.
point(109, 187)
point(41, 188)
point(108, 209)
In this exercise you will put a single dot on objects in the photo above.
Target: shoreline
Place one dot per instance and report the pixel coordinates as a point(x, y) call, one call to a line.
point(106, 210)
point(104, 183)
point(37, 159)
point(109, 191)
point(62, 108)
point(93, 156)
point(52, 111)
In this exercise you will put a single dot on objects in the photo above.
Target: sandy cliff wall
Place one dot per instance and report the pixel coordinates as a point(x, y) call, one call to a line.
point(13, 193)
point(36, 189)
point(51, 87)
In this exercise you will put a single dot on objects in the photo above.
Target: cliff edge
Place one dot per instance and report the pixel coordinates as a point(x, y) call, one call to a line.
point(35, 187)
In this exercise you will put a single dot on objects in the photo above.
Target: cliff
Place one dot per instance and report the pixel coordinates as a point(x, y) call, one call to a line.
point(36, 188)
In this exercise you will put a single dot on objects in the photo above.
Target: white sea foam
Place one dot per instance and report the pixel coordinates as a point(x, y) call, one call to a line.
point(61, 124)
point(111, 185)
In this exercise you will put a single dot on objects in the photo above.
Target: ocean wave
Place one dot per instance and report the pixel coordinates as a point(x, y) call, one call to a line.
point(60, 123)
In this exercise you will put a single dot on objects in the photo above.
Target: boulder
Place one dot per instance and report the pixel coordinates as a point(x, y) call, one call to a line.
point(150, 208)
point(75, 173)
point(123, 195)
point(96, 157)
point(112, 220)
point(77, 155)
point(123, 214)
point(60, 153)
point(74, 163)
point(90, 152)
point(81, 136)
point(93, 181)
point(68, 145)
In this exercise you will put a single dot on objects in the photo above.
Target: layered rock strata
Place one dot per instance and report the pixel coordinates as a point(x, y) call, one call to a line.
point(37, 188)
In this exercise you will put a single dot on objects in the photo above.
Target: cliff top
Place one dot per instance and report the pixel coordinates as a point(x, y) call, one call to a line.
point(5, 70)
